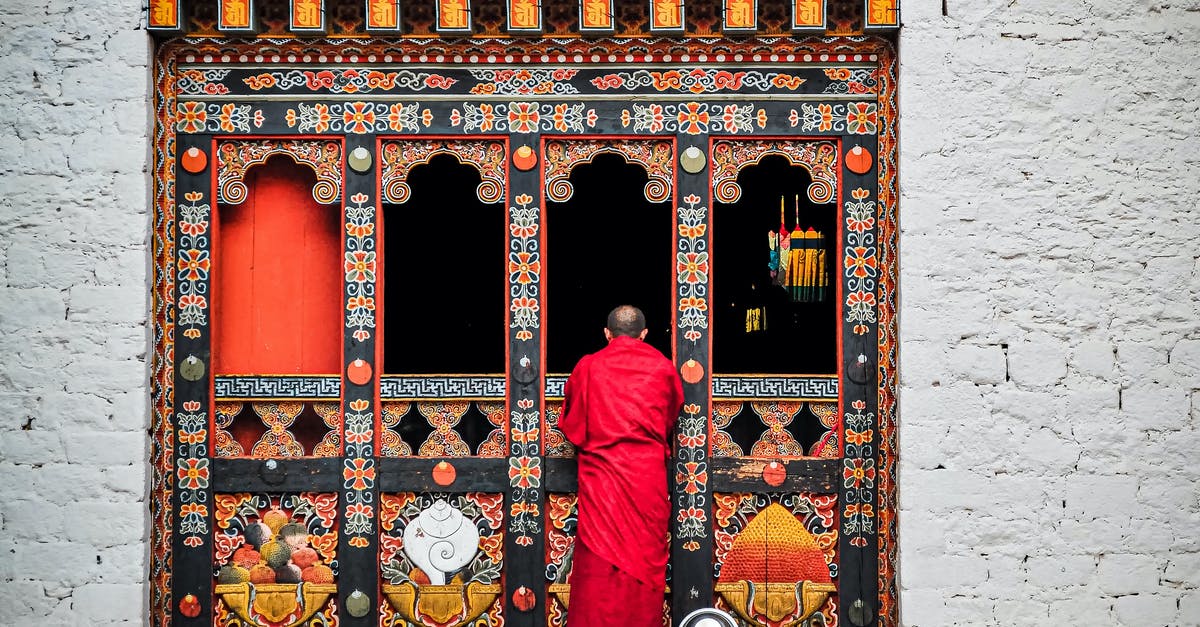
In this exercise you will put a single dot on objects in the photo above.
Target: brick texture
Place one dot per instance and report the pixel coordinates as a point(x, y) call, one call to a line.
point(74, 88)
point(1048, 222)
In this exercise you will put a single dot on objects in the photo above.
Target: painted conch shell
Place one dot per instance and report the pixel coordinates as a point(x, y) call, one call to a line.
point(440, 541)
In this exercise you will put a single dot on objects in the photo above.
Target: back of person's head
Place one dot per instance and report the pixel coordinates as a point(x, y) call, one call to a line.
point(626, 320)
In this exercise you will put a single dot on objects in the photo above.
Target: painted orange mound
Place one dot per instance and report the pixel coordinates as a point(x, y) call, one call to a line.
point(775, 548)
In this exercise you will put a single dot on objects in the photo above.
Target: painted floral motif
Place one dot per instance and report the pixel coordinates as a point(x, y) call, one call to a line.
point(525, 472)
point(861, 264)
point(776, 440)
point(199, 117)
point(358, 472)
point(444, 417)
point(192, 472)
point(698, 81)
point(347, 81)
point(524, 81)
point(691, 470)
point(691, 267)
point(524, 267)
point(193, 263)
point(858, 475)
point(358, 117)
point(360, 266)
point(694, 118)
point(523, 117)
point(191, 117)
point(862, 118)
point(821, 118)
point(723, 444)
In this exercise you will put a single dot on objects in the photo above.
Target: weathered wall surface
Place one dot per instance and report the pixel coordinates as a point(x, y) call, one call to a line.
point(1050, 286)
point(1050, 362)
point(73, 302)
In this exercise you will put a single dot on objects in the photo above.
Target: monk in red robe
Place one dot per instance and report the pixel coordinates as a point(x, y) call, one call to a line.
point(619, 410)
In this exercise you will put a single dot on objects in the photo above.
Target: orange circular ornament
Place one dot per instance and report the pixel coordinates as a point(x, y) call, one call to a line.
point(691, 371)
point(444, 474)
point(523, 598)
point(194, 160)
point(359, 372)
point(774, 474)
point(858, 160)
point(524, 158)
point(189, 606)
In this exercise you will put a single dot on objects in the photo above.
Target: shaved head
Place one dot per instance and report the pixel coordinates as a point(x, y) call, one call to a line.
point(626, 320)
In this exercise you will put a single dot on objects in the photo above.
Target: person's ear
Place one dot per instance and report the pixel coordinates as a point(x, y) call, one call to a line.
point(643, 335)
point(607, 334)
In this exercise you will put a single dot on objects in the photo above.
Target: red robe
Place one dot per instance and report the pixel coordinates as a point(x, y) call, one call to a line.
point(620, 406)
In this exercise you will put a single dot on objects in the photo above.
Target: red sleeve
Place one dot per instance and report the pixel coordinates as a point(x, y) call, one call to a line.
point(573, 420)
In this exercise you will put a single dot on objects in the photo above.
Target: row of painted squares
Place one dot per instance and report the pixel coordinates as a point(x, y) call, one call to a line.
point(477, 428)
point(496, 17)
point(441, 559)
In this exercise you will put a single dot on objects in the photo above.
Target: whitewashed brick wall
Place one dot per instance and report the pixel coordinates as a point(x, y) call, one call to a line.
point(1050, 285)
point(73, 302)
point(1050, 349)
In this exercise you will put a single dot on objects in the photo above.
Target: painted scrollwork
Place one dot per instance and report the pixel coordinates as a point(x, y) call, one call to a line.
point(819, 158)
point(401, 156)
point(235, 158)
point(562, 157)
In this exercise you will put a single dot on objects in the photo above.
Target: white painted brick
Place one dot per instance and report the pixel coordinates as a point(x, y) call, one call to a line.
point(1089, 497)
point(1058, 570)
point(106, 601)
point(1146, 609)
point(1094, 358)
point(105, 449)
point(1037, 362)
point(978, 364)
point(1155, 407)
point(1084, 608)
point(42, 521)
point(31, 447)
point(1123, 573)
point(103, 524)
point(108, 304)
point(1189, 607)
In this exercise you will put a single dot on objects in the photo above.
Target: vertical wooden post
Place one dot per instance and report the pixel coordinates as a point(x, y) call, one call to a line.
point(692, 537)
point(358, 544)
point(524, 539)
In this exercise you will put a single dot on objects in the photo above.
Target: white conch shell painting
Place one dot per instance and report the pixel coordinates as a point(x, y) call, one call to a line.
point(440, 541)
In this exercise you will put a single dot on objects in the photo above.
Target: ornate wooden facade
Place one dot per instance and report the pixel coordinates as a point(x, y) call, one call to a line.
point(298, 440)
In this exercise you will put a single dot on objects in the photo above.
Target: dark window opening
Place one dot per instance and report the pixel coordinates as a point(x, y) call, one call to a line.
point(444, 275)
point(759, 325)
point(606, 246)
